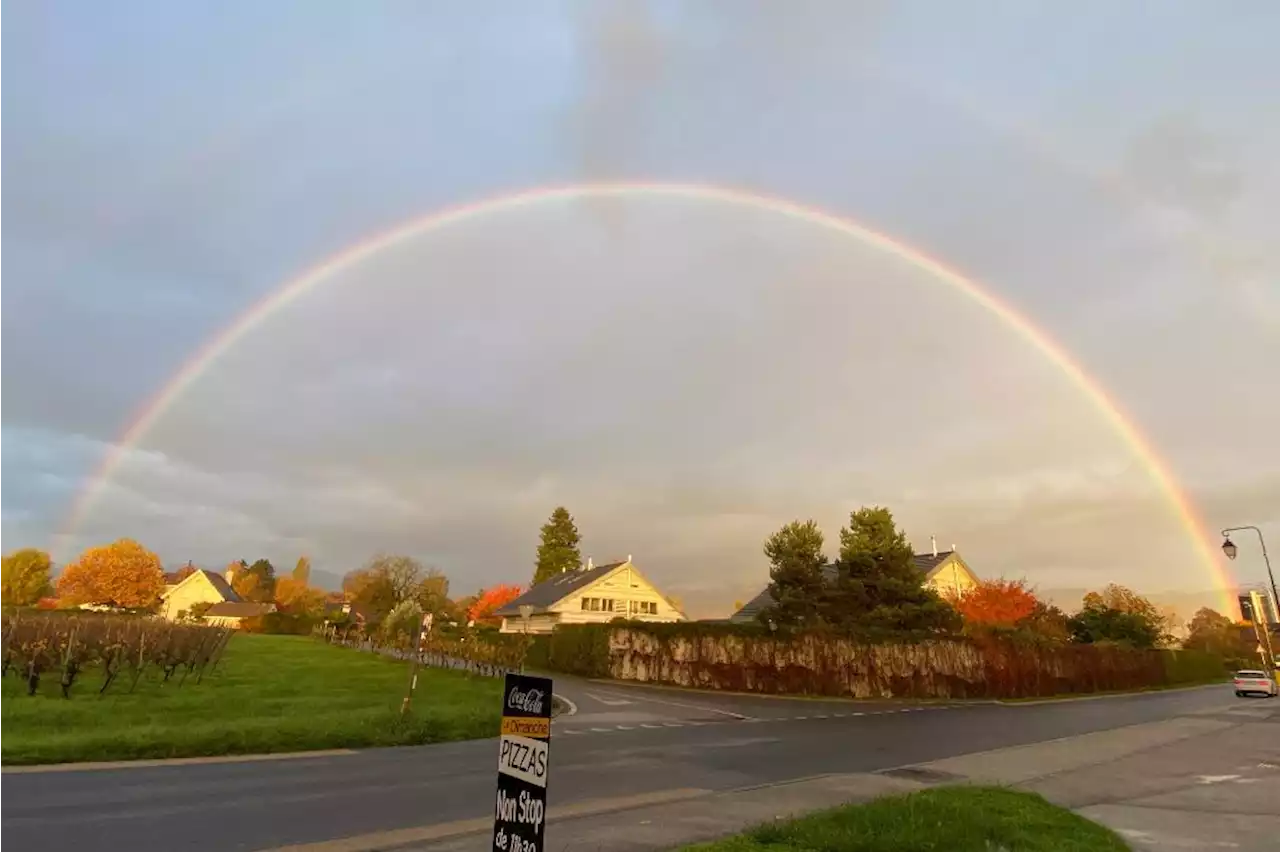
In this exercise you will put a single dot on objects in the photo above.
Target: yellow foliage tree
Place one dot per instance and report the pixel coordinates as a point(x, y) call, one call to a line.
point(123, 573)
point(26, 577)
point(295, 596)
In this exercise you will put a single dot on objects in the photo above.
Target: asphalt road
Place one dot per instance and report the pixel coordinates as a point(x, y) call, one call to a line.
point(623, 740)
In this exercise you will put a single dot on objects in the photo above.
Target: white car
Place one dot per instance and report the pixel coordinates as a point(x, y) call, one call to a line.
point(1255, 680)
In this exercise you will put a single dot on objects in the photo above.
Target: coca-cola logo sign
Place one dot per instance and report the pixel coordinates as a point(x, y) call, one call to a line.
point(530, 701)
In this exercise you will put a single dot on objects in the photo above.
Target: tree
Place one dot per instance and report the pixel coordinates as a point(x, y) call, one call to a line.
point(558, 549)
point(877, 585)
point(183, 573)
point(1125, 600)
point(490, 601)
point(402, 624)
point(796, 580)
point(25, 577)
point(295, 597)
point(1214, 633)
point(257, 582)
point(1048, 622)
point(1094, 624)
point(385, 581)
point(123, 574)
point(999, 603)
point(302, 571)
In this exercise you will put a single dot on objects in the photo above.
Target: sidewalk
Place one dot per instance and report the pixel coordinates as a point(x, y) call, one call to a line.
point(1199, 782)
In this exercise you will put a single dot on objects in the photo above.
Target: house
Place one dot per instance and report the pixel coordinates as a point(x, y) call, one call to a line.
point(946, 573)
point(231, 613)
point(199, 587)
point(590, 594)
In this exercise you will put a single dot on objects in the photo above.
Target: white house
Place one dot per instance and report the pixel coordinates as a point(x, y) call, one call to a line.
point(591, 594)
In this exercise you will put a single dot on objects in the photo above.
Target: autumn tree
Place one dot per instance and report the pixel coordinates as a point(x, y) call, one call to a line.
point(257, 582)
point(997, 603)
point(490, 601)
point(1143, 617)
point(1048, 622)
point(558, 546)
point(123, 574)
point(302, 571)
point(877, 585)
point(386, 581)
point(796, 580)
point(1213, 632)
point(295, 597)
point(24, 579)
point(183, 573)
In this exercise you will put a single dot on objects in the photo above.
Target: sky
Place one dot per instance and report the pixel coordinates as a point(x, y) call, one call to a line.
point(684, 375)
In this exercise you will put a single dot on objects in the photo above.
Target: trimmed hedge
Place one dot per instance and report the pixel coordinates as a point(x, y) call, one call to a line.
point(1192, 667)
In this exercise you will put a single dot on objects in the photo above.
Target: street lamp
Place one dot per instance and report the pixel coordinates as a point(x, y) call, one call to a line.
point(1229, 548)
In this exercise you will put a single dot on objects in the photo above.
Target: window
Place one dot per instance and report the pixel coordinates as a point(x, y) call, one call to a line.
point(644, 607)
point(606, 605)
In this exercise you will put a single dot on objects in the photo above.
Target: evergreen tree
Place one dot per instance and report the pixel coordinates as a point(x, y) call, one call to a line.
point(558, 549)
point(796, 579)
point(302, 571)
point(877, 585)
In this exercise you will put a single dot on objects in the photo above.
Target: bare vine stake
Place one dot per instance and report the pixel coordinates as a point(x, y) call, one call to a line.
point(137, 670)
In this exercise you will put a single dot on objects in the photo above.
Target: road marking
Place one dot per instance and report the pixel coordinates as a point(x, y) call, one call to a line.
point(573, 708)
point(406, 836)
point(822, 717)
point(687, 706)
point(650, 726)
point(571, 731)
point(610, 701)
point(672, 725)
point(799, 718)
point(625, 727)
point(601, 730)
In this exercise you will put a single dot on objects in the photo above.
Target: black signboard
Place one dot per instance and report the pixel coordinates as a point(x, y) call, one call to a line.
point(520, 821)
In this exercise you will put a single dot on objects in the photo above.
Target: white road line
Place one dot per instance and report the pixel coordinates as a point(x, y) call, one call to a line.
point(672, 725)
point(800, 718)
point(651, 726)
point(625, 727)
point(840, 715)
point(858, 713)
point(824, 716)
point(610, 699)
point(704, 708)
point(601, 730)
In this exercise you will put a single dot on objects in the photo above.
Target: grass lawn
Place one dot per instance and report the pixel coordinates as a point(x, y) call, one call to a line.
point(268, 694)
point(944, 819)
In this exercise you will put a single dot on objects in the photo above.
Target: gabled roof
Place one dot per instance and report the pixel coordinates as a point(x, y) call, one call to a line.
point(239, 609)
point(929, 563)
point(219, 583)
point(550, 592)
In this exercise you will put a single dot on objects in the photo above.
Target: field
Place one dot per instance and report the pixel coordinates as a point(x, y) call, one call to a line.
point(266, 694)
point(954, 819)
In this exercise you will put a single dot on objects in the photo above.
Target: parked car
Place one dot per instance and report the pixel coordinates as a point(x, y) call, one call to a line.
point(1255, 681)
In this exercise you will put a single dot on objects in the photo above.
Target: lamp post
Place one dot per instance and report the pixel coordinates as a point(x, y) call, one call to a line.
point(526, 612)
point(1230, 549)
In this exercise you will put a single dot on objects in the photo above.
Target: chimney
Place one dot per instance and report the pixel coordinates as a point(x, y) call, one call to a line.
point(933, 541)
point(628, 557)
point(953, 547)
point(590, 564)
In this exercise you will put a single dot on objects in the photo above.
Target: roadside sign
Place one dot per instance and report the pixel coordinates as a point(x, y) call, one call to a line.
point(519, 823)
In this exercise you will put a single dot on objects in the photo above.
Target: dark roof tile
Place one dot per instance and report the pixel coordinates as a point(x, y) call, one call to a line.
point(556, 589)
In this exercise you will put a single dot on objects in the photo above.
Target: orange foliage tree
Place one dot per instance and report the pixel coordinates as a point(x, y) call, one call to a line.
point(123, 573)
point(491, 600)
point(296, 596)
point(997, 602)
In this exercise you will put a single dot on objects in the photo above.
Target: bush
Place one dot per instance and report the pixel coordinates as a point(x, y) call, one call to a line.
point(1192, 666)
point(578, 649)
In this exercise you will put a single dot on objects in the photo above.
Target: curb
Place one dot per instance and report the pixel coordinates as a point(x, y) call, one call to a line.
point(153, 763)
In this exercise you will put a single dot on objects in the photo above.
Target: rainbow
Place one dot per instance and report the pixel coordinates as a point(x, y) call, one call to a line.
point(155, 408)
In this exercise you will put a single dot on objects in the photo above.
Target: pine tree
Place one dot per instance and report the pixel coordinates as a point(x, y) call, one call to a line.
point(302, 571)
point(877, 585)
point(797, 583)
point(558, 550)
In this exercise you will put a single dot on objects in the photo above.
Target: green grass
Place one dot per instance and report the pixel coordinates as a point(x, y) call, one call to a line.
point(943, 819)
point(268, 694)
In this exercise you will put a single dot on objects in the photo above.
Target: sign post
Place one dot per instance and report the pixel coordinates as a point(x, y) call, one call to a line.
point(520, 817)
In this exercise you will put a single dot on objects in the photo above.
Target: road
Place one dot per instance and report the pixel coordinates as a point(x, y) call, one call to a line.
point(622, 741)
